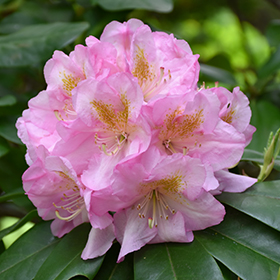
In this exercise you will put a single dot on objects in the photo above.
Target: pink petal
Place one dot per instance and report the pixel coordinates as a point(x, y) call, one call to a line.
point(99, 242)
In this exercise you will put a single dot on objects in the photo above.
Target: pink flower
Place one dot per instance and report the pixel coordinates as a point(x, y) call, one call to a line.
point(158, 61)
point(165, 200)
point(38, 125)
point(189, 123)
point(235, 110)
point(122, 128)
point(111, 110)
point(53, 187)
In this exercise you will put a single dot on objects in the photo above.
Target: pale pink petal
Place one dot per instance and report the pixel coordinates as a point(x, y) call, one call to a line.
point(99, 242)
point(230, 182)
point(172, 230)
point(203, 212)
point(132, 232)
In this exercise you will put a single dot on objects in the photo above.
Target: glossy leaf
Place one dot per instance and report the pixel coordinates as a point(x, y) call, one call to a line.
point(111, 270)
point(24, 258)
point(216, 74)
point(28, 217)
point(65, 260)
point(261, 201)
point(11, 195)
point(8, 131)
point(247, 247)
point(266, 118)
point(175, 261)
point(272, 65)
point(35, 43)
point(155, 5)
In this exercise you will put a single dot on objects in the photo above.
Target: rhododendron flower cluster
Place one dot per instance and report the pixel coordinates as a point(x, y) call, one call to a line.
point(123, 138)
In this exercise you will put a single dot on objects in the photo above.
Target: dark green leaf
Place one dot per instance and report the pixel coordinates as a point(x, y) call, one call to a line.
point(35, 43)
point(4, 149)
point(11, 196)
point(7, 100)
point(2, 247)
point(155, 5)
point(260, 201)
point(65, 260)
point(272, 33)
point(247, 247)
point(8, 131)
point(31, 215)
point(111, 270)
point(175, 261)
point(266, 118)
point(217, 74)
point(272, 66)
point(24, 258)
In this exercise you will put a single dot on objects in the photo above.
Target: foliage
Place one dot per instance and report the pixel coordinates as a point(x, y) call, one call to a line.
point(233, 51)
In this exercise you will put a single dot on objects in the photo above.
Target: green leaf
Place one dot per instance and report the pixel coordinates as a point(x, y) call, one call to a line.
point(4, 149)
point(260, 201)
point(2, 247)
point(155, 5)
point(272, 65)
point(7, 100)
point(175, 261)
point(272, 33)
point(8, 131)
point(11, 195)
point(247, 247)
point(265, 117)
point(216, 74)
point(24, 258)
point(31, 215)
point(35, 43)
point(111, 270)
point(65, 260)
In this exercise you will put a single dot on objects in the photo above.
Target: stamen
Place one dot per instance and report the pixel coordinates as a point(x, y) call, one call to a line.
point(168, 146)
point(111, 145)
point(58, 115)
point(69, 218)
point(159, 207)
point(153, 220)
point(72, 203)
point(151, 223)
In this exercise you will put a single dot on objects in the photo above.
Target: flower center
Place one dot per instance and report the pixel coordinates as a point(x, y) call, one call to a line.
point(229, 115)
point(69, 82)
point(160, 208)
point(113, 134)
point(111, 145)
point(154, 205)
point(150, 82)
point(71, 201)
point(177, 131)
point(67, 113)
